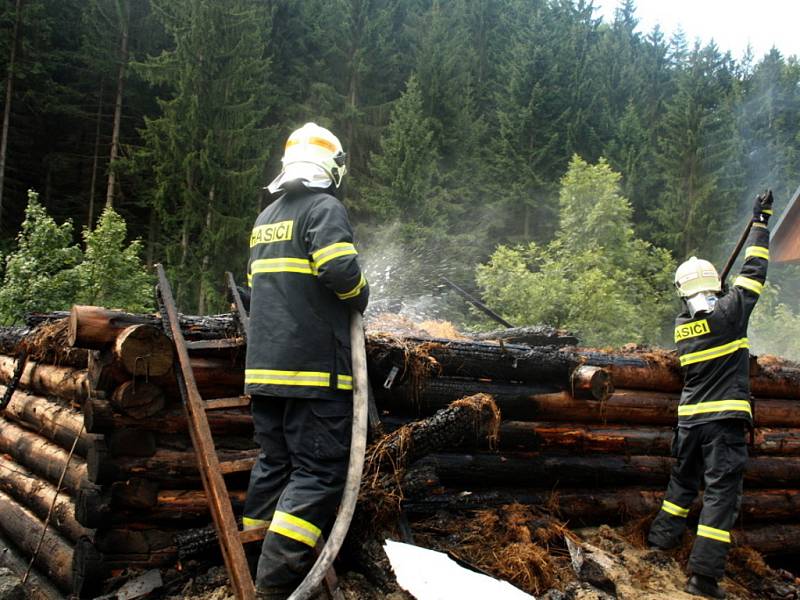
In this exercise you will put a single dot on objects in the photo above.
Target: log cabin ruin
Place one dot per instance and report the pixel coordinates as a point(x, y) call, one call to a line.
point(493, 448)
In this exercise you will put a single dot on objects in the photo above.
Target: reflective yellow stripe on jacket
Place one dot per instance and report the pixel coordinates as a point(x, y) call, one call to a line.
point(301, 378)
point(282, 265)
point(295, 528)
point(328, 253)
point(689, 410)
point(749, 284)
point(715, 352)
point(715, 534)
point(355, 291)
point(757, 251)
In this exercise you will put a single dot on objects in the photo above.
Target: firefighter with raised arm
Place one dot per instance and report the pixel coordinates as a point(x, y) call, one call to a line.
point(714, 413)
point(304, 280)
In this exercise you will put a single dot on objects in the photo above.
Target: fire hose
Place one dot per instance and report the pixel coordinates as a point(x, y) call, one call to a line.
point(358, 446)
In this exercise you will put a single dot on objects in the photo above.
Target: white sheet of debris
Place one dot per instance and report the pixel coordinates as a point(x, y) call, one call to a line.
point(432, 575)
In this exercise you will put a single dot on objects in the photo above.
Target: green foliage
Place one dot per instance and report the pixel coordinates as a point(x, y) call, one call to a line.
point(112, 274)
point(775, 325)
point(48, 272)
point(206, 149)
point(595, 278)
point(39, 273)
point(404, 171)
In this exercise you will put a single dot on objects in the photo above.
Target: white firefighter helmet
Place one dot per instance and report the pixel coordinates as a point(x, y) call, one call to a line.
point(314, 155)
point(696, 276)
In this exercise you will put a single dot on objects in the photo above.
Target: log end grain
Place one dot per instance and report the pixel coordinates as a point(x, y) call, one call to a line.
point(592, 382)
point(139, 399)
point(144, 350)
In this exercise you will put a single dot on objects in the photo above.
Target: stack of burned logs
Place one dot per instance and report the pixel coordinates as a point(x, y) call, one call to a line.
point(591, 457)
point(96, 410)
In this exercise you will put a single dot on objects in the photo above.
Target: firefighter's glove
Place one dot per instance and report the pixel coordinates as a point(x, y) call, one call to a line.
point(762, 208)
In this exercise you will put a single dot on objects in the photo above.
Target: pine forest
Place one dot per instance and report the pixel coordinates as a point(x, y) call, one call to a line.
point(557, 165)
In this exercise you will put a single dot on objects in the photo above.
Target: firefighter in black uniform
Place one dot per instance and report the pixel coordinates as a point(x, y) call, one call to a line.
point(714, 412)
point(304, 280)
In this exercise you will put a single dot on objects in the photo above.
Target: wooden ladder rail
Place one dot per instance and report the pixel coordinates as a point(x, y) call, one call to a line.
point(213, 482)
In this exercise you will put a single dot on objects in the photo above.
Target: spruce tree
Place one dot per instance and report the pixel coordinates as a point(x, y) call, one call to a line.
point(208, 147)
point(39, 273)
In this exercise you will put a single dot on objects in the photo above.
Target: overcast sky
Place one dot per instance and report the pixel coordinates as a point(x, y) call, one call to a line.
point(731, 23)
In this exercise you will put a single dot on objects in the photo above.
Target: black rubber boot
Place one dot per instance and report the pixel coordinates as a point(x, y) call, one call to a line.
point(701, 585)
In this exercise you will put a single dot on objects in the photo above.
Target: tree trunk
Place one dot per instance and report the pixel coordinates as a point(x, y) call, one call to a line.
point(170, 467)
point(539, 403)
point(12, 63)
point(624, 439)
point(124, 504)
point(94, 327)
point(123, 63)
point(100, 417)
point(781, 539)
point(49, 419)
point(37, 495)
point(535, 335)
point(589, 507)
point(37, 587)
point(215, 378)
point(544, 470)
point(475, 360)
point(48, 380)
point(40, 456)
point(471, 420)
point(95, 156)
point(144, 350)
point(23, 528)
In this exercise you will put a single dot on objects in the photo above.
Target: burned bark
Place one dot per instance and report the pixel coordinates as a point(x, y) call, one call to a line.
point(94, 327)
point(506, 362)
point(540, 469)
point(164, 466)
point(100, 417)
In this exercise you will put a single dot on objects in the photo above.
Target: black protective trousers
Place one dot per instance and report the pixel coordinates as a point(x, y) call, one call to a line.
point(715, 454)
point(297, 481)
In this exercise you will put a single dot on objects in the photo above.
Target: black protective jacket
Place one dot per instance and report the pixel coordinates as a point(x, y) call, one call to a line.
point(713, 347)
point(304, 280)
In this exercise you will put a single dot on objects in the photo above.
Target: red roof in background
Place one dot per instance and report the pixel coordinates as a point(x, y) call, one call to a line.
point(784, 246)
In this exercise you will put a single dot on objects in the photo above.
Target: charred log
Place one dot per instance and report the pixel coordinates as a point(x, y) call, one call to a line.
point(531, 403)
point(506, 362)
point(539, 469)
point(94, 327)
point(100, 417)
point(536, 335)
point(164, 466)
point(624, 439)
